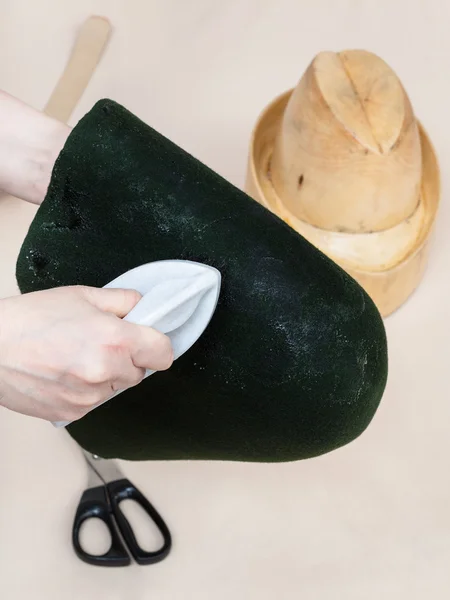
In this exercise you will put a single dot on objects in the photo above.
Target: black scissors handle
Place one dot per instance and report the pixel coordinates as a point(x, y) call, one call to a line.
point(94, 504)
point(104, 503)
point(123, 489)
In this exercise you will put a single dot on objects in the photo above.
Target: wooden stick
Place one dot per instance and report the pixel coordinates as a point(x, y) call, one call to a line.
point(86, 53)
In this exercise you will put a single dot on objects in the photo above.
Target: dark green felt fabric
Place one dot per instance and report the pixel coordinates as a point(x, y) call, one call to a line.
point(294, 362)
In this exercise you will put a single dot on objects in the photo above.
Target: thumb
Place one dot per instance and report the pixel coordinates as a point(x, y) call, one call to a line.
point(118, 301)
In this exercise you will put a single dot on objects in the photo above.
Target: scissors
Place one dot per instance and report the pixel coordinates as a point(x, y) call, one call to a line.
point(107, 488)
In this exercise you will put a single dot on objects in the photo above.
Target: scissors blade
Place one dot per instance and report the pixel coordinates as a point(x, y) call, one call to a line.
point(106, 469)
point(94, 478)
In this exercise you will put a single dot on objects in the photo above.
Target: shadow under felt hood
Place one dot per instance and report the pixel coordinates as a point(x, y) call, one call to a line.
point(294, 361)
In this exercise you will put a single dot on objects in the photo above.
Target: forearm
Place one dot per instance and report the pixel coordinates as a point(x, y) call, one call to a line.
point(30, 142)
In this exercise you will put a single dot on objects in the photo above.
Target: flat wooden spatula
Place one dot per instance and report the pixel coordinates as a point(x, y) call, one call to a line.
point(86, 54)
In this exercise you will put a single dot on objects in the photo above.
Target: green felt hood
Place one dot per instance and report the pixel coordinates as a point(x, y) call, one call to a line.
point(294, 361)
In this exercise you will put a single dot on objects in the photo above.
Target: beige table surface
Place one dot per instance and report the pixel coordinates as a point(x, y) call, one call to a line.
point(371, 521)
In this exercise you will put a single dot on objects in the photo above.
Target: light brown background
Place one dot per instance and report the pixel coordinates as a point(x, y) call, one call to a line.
point(368, 522)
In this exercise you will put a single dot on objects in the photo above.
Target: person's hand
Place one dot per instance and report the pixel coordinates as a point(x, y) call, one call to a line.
point(30, 142)
point(64, 350)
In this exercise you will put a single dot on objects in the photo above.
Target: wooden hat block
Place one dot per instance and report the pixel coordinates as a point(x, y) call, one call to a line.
point(343, 160)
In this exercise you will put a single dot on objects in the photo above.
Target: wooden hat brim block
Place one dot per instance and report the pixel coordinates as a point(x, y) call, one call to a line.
point(390, 279)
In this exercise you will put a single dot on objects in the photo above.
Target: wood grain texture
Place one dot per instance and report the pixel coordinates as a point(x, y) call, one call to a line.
point(347, 156)
point(388, 264)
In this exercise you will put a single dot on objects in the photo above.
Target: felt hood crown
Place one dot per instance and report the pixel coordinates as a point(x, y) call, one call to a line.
point(294, 361)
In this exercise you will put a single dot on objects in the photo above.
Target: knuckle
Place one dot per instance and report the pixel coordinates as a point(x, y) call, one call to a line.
point(75, 290)
point(160, 341)
point(96, 372)
point(117, 385)
point(140, 376)
point(165, 350)
point(91, 400)
point(83, 402)
point(128, 380)
point(137, 377)
point(131, 296)
point(114, 335)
